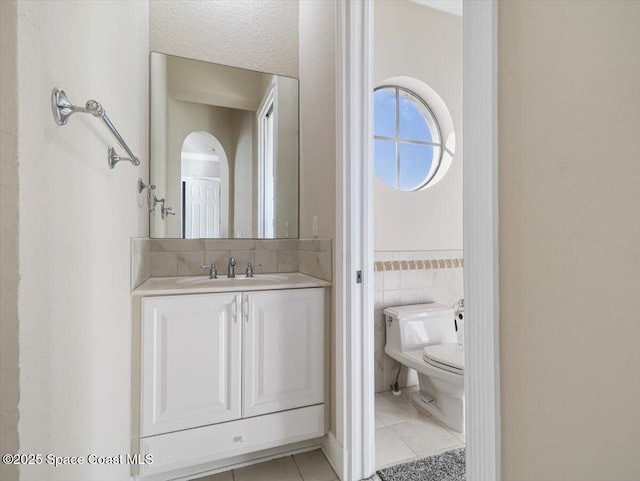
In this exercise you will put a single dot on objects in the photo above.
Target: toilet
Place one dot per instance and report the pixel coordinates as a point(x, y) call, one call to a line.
point(423, 337)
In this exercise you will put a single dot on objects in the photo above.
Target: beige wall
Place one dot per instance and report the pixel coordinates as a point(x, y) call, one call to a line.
point(287, 157)
point(318, 140)
point(158, 144)
point(569, 193)
point(426, 44)
point(9, 373)
point(317, 117)
point(76, 220)
point(244, 205)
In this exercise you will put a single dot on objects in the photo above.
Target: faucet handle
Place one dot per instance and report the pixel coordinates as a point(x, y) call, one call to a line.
point(166, 211)
point(213, 272)
point(251, 268)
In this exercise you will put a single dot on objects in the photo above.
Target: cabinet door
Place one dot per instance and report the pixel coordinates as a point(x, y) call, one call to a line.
point(191, 349)
point(283, 343)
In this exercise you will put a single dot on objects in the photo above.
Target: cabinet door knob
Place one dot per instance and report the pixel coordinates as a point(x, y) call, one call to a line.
point(239, 439)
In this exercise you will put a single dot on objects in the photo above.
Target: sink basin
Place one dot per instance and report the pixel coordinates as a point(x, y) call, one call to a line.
point(242, 283)
point(261, 277)
point(223, 279)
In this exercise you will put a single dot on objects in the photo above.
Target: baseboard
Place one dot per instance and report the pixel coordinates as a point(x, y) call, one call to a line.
point(334, 452)
point(215, 467)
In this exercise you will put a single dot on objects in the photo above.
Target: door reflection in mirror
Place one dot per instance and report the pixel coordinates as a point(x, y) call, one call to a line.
point(205, 174)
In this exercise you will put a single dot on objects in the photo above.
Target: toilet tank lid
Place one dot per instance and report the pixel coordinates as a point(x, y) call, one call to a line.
point(418, 310)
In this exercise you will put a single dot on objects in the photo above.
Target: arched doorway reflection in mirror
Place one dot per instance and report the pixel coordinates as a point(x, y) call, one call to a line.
point(205, 187)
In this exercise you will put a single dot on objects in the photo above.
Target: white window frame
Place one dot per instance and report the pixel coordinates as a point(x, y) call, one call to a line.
point(397, 139)
point(351, 449)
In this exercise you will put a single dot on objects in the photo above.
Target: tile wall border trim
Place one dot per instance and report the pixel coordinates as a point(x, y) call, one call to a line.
point(410, 265)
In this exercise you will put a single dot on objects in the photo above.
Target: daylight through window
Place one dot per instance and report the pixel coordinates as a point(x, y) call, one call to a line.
point(408, 146)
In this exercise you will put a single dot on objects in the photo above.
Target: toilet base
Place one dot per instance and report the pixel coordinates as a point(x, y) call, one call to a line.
point(441, 392)
point(446, 409)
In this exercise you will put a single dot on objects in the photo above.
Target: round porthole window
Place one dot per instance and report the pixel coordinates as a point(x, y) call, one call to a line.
point(411, 149)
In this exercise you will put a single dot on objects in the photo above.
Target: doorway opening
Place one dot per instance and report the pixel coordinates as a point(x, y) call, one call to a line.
point(205, 187)
point(352, 449)
point(417, 233)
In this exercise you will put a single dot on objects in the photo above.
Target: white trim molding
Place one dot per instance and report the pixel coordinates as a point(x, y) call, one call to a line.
point(354, 238)
point(480, 190)
point(266, 141)
point(333, 451)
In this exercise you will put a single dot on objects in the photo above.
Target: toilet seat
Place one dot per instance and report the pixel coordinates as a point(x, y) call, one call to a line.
point(449, 357)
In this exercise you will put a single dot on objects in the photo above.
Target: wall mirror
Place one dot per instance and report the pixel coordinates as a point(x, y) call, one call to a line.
point(223, 151)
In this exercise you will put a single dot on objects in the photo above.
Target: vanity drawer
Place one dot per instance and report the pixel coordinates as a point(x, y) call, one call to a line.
point(210, 443)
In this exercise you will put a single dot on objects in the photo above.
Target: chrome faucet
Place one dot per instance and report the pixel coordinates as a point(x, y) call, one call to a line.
point(231, 268)
point(213, 272)
point(251, 269)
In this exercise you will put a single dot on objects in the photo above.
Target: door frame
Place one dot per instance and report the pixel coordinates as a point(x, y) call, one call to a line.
point(269, 104)
point(351, 448)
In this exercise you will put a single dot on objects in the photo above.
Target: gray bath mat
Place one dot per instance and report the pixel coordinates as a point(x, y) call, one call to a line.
point(448, 466)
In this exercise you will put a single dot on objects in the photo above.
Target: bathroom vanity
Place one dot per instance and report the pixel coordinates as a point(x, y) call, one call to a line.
point(226, 370)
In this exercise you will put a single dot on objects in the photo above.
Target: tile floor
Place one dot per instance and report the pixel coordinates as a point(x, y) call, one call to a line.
point(403, 434)
point(309, 466)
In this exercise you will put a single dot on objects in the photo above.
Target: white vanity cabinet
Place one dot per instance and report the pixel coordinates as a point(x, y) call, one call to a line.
point(228, 374)
point(283, 350)
point(191, 361)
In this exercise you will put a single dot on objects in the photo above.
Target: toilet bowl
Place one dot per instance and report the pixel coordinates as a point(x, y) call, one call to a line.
point(423, 337)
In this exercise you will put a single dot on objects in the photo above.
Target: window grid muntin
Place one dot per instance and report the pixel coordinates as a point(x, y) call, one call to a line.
point(397, 140)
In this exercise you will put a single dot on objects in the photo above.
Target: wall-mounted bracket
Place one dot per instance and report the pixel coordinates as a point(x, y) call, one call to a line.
point(62, 109)
point(142, 186)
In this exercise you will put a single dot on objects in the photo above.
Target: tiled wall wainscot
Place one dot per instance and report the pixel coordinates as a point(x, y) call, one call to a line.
point(412, 277)
point(184, 257)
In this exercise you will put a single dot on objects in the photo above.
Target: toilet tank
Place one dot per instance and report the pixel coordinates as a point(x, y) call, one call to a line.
point(415, 326)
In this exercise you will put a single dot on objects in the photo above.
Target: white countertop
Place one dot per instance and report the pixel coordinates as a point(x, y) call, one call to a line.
point(156, 286)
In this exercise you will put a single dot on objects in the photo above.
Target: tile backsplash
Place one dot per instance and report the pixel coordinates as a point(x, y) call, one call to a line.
point(140, 261)
point(184, 257)
point(410, 277)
